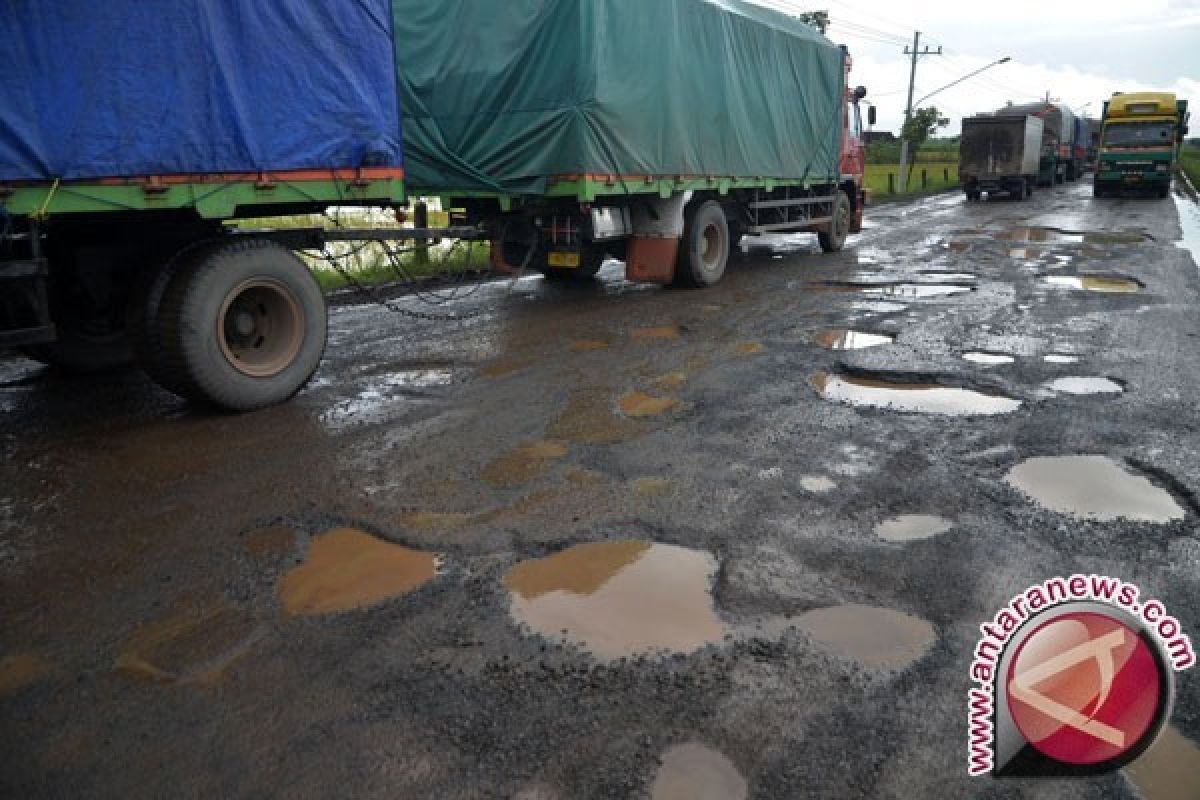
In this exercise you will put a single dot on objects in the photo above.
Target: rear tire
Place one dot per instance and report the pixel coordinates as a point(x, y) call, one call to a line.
point(834, 239)
point(973, 195)
point(243, 326)
point(90, 335)
point(704, 250)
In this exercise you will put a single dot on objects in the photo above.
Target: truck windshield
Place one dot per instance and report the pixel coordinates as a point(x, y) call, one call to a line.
point(1137, 134)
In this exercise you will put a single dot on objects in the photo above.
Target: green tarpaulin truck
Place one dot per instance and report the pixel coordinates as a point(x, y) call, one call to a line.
point(657, 132)
point(1139, 143)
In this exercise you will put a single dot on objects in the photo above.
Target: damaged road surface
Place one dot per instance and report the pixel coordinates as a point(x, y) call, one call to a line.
point(610, 540)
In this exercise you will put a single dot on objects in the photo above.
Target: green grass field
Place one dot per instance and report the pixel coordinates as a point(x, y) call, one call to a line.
point(937, 177)
point(1189, 162)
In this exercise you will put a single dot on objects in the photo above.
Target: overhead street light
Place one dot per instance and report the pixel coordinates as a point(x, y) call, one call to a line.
point(911, 106)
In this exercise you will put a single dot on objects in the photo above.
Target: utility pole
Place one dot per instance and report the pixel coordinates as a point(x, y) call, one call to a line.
point(912, 79)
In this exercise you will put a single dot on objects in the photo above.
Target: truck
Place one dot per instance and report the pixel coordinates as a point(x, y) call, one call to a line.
point(1000, 153)
point(1063, 148)
point(1139, 143)
point(582, 131)
point(131, 194)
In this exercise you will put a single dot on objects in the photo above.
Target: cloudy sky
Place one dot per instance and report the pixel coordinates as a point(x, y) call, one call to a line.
point(1081, 52)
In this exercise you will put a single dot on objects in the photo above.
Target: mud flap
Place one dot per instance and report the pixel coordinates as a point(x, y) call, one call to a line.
point(657, 228)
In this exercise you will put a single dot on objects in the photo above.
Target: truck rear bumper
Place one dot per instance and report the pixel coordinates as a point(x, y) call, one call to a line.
point(24, 311)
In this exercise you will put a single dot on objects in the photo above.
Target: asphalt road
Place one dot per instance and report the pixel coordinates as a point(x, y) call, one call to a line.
point(650, 545)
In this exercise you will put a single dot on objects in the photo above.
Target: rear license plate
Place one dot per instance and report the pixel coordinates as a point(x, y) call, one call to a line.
point(563, 260)
point(1133, 178)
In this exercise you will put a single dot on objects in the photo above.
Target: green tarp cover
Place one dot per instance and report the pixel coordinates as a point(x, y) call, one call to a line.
point(499, 95)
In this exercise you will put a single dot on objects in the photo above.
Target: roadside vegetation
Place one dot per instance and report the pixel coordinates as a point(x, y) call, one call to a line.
point(935, 169)
point(1189, 162)
point(374, 263)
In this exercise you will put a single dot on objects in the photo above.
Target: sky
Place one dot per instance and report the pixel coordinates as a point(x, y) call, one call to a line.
point(1079, 52)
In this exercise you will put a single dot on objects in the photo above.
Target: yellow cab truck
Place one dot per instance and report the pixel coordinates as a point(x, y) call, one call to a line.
point(1139, 143)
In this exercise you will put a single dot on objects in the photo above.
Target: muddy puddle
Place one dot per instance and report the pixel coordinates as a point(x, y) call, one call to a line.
point(750, 348)
point(589, 418)
point(19, 671)
point(1094, 283)
point(585, 345)
point(1060, 358)
point(640, 404)
point(988, 359)
point(1169, 770)
point(1025, 253)
point(1034, 234)
point(348, 569)
point(193, 645)
point(846, 339)
point(879, 307)
point(694, 771)
point(912, 527)
point(523, 464)
point(876, 637)
point(619, 598)
point(1074, 384)
point(1093, 487)
point(923, 398)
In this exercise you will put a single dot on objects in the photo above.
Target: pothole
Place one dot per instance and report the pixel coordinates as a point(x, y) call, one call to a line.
point(1169, 770)
point(1075, 384)
point(589, 418)
point(348, 569)
point(879, 307)
point(1035, 234)
point(988, 359)
point(19, 671)
point(750, 348)
point(912, 527)
point(189, 646)
point(1093, 487)
point(1060, 358)
point(1025, 253)
point(584, 345)
point(817, 484)
point(846, 339)
point(915, 397)
point(908, 291)
point(523, 464)
point(1094, 283)
point(639, 404)
point(693, 771)
point(619, 598)
point(876, 637)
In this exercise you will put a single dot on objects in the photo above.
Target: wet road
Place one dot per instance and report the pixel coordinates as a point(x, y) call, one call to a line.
point(616, 541)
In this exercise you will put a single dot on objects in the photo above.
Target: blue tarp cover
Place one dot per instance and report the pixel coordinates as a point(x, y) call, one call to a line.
point(108, 88)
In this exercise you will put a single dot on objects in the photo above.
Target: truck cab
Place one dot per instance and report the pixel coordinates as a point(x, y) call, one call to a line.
point(1139, 142)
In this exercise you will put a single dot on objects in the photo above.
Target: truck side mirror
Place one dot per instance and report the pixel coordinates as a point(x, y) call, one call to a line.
point(860, 92)
point(871, 115)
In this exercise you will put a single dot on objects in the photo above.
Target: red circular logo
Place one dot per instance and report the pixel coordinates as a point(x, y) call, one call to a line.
point(1084, 688)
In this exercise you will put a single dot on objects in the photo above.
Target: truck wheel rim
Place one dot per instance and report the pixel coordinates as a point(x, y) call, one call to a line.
point(710, 247)
point(260, 327)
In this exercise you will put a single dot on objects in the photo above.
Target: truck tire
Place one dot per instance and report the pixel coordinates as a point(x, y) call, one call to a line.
point(1164, 191)
point(834, 239)
point(973, 195)
point(1029, 188)
point(144, 320)
point(89, 338)
point(704, 250)
point(242, 326)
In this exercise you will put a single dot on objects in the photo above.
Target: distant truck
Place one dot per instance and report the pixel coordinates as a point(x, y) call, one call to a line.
point(659, 133)
point(1139, 143)
point(1000, 153)
point(1063, 149)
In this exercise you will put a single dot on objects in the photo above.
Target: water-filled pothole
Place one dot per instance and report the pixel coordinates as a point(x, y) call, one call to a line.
point(845, 339)
point(988, 359)
point(619, 598)
point(877, 637)
point(908, 291)
point(1036, 234)
point(1093, 487)
point(693, 771)
point(348, 569)
point(1078, 384)
point(523, 464)
point(912, 527)
point(1060, 358)
point(917, 396)
point(1094, 283)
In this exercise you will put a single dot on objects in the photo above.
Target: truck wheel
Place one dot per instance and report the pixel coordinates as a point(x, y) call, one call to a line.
point(89, 338)
point(1097, 190)
point(1164, 191)
point(144, 320)
point(839, 227)
point(1028, 188)
point(243, 325)
point(973, 195)
point(704, 251)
